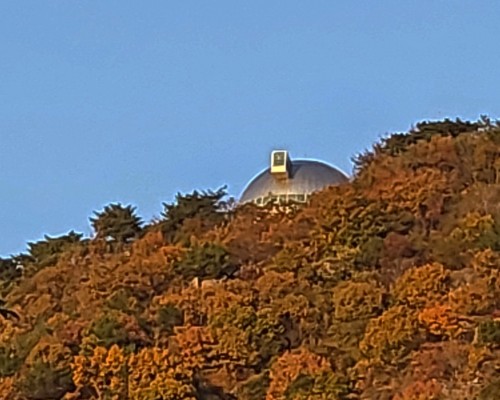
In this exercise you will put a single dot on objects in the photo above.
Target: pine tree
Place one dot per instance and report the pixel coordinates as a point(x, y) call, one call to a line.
point(116, 223)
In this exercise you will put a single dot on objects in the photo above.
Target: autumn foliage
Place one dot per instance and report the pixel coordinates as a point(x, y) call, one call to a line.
point(387, 288)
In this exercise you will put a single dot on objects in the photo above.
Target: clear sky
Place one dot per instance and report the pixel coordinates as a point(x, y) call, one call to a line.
point(133, 101)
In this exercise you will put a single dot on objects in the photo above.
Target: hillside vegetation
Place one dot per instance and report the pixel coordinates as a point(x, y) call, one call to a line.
point(387, 287)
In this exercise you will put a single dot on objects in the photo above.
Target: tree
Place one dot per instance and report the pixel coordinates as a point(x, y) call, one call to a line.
point(293, 366)
point(9, 274)
point(318, 386)
point(169, 316)
point(202, 209)
point(398, 143)
point(116, 223)
point(422, 285)
point(101, 374)
point(384, 288)
point(47, 251)
point(356, 300)
point(116, 328)
point(42, 381)
point(392, 335)
point(419, 390)
point(158, 374)
point(441, 322)
point(205, 261)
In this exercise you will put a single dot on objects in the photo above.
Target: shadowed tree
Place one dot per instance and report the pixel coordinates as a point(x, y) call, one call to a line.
point(9, 274)
point(47, 251)
point(398, 143)
point(202, 210)
point(116, 223)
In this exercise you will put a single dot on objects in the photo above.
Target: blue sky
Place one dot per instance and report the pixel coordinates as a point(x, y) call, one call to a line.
point(105, 101)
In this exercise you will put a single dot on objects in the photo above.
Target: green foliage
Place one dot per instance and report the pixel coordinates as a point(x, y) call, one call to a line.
point(347, 336)
point(398, 143)
point(46, 252)
point(26, 341)
point(119, 300)
point(12, 358)
point(331, 386)
point(489, 332)
point(238, 316)
point(10, 273)
point(491, 391)
point(109, 331)
point(262, 333)
point(474, 231)
point(10, 362)
point(267, 337)
point(255, 388)
point(207, 207)
point(205, 261)
point(367, 221)
point(169, 316)
point(302, 385)
point(370, 252)
point(44, 382)
point(324, 385)
point(116, 223)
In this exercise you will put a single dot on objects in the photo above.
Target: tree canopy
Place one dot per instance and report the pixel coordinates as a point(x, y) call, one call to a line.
point(116, 223)
point(387, 287)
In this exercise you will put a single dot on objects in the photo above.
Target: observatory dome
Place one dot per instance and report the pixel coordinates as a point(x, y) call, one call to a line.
point(289, 180)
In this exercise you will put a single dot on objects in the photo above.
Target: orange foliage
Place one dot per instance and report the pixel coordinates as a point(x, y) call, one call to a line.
point(289, 366)
point(157, 374)
point(394, 334)
point(428, 390)
point(103, 373)
point(422, 285)
point(375, 289)
point(442, 322)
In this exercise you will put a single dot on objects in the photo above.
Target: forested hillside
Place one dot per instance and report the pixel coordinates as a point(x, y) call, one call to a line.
point(387, 287)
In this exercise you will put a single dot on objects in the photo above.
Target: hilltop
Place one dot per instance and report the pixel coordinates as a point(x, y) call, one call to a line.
point(385, 287)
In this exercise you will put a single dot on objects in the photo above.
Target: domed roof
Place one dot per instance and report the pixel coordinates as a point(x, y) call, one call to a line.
point(304, 178)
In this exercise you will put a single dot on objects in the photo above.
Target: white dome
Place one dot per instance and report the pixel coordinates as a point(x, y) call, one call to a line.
point(304, 178)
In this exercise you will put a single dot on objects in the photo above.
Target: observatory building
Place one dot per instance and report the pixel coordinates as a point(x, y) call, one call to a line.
point(287, 180)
